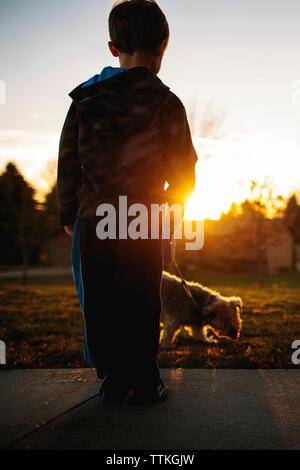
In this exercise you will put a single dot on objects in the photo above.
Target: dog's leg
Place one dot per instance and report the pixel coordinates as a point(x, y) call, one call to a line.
point(169, 330)
point(200, 334)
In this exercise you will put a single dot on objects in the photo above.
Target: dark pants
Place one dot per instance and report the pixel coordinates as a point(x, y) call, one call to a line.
point(121, 280)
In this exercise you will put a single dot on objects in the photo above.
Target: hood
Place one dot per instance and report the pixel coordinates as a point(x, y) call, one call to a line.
point(106, 73)
point(132, 95)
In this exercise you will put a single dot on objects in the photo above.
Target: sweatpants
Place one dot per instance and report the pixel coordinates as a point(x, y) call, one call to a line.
point(118, 285)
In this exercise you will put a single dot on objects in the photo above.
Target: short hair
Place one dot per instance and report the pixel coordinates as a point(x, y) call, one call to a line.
point(137, 25)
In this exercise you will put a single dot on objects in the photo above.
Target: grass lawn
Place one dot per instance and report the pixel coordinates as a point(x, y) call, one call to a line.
point(41, 324)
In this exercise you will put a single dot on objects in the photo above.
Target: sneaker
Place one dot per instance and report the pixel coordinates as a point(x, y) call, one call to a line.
point(143, 395)
point(111, 396)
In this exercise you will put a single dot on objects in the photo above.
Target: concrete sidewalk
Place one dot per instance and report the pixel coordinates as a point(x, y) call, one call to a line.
point(37, 272)
point(206, 409)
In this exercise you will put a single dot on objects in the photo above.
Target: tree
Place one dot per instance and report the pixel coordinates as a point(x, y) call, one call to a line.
point(212, 124)
point(292, 217)
point(19, 217)
point(52, 224)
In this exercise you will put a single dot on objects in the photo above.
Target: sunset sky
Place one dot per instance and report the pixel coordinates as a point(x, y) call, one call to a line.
point(240, 57)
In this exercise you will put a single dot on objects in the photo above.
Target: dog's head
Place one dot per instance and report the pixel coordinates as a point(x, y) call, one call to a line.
point(223, 316)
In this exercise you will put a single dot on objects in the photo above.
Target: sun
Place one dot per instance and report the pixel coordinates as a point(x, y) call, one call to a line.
point(214, 193)
point(225, 169)
point(197, 210)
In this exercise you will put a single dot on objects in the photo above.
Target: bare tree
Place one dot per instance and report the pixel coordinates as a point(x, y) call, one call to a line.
point(212, 124)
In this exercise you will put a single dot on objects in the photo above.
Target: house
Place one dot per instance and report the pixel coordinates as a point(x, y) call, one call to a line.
point(245, 244)
point(279, 249)
point(56, 250)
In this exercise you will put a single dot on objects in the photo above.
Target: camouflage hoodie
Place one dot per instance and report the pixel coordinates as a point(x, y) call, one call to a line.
point(123, 135)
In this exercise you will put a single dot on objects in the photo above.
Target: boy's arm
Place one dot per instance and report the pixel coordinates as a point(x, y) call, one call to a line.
point(68, 170)
point(180, 155)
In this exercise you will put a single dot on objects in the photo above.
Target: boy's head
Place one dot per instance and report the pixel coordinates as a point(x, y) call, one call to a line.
point(138, 28)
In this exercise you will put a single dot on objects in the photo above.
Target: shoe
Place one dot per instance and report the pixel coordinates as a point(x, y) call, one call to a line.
point(143, 395)
point(109, 396)
point(100, 374)
point(114, 391)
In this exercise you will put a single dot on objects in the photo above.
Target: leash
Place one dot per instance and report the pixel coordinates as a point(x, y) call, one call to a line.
point(171, 258)
point(184, 284)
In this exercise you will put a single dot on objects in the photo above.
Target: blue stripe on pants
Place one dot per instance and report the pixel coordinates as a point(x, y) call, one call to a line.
point(77, 276)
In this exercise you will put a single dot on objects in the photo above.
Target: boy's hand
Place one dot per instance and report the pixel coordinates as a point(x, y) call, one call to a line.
point(69, 229)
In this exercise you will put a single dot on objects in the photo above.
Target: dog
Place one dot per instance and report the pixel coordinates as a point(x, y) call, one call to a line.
point(219, 313)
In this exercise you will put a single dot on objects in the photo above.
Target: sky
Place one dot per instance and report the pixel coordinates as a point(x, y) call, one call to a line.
point(237, 57)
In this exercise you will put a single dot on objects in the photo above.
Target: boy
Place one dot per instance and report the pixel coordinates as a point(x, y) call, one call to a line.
point(126, 134)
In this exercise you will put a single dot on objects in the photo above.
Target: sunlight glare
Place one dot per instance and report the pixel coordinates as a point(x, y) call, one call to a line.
point(225, 169)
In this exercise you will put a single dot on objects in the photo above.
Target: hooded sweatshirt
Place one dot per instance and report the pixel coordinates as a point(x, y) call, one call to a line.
point(125, 134)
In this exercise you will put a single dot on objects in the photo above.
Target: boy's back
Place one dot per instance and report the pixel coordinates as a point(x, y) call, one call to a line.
point(125, 134)
point(131, 135)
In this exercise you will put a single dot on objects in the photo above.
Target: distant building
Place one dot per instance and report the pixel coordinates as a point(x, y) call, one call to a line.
point(297, 257)
point(56, 250)
point(279, 252)
point(242, 244)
